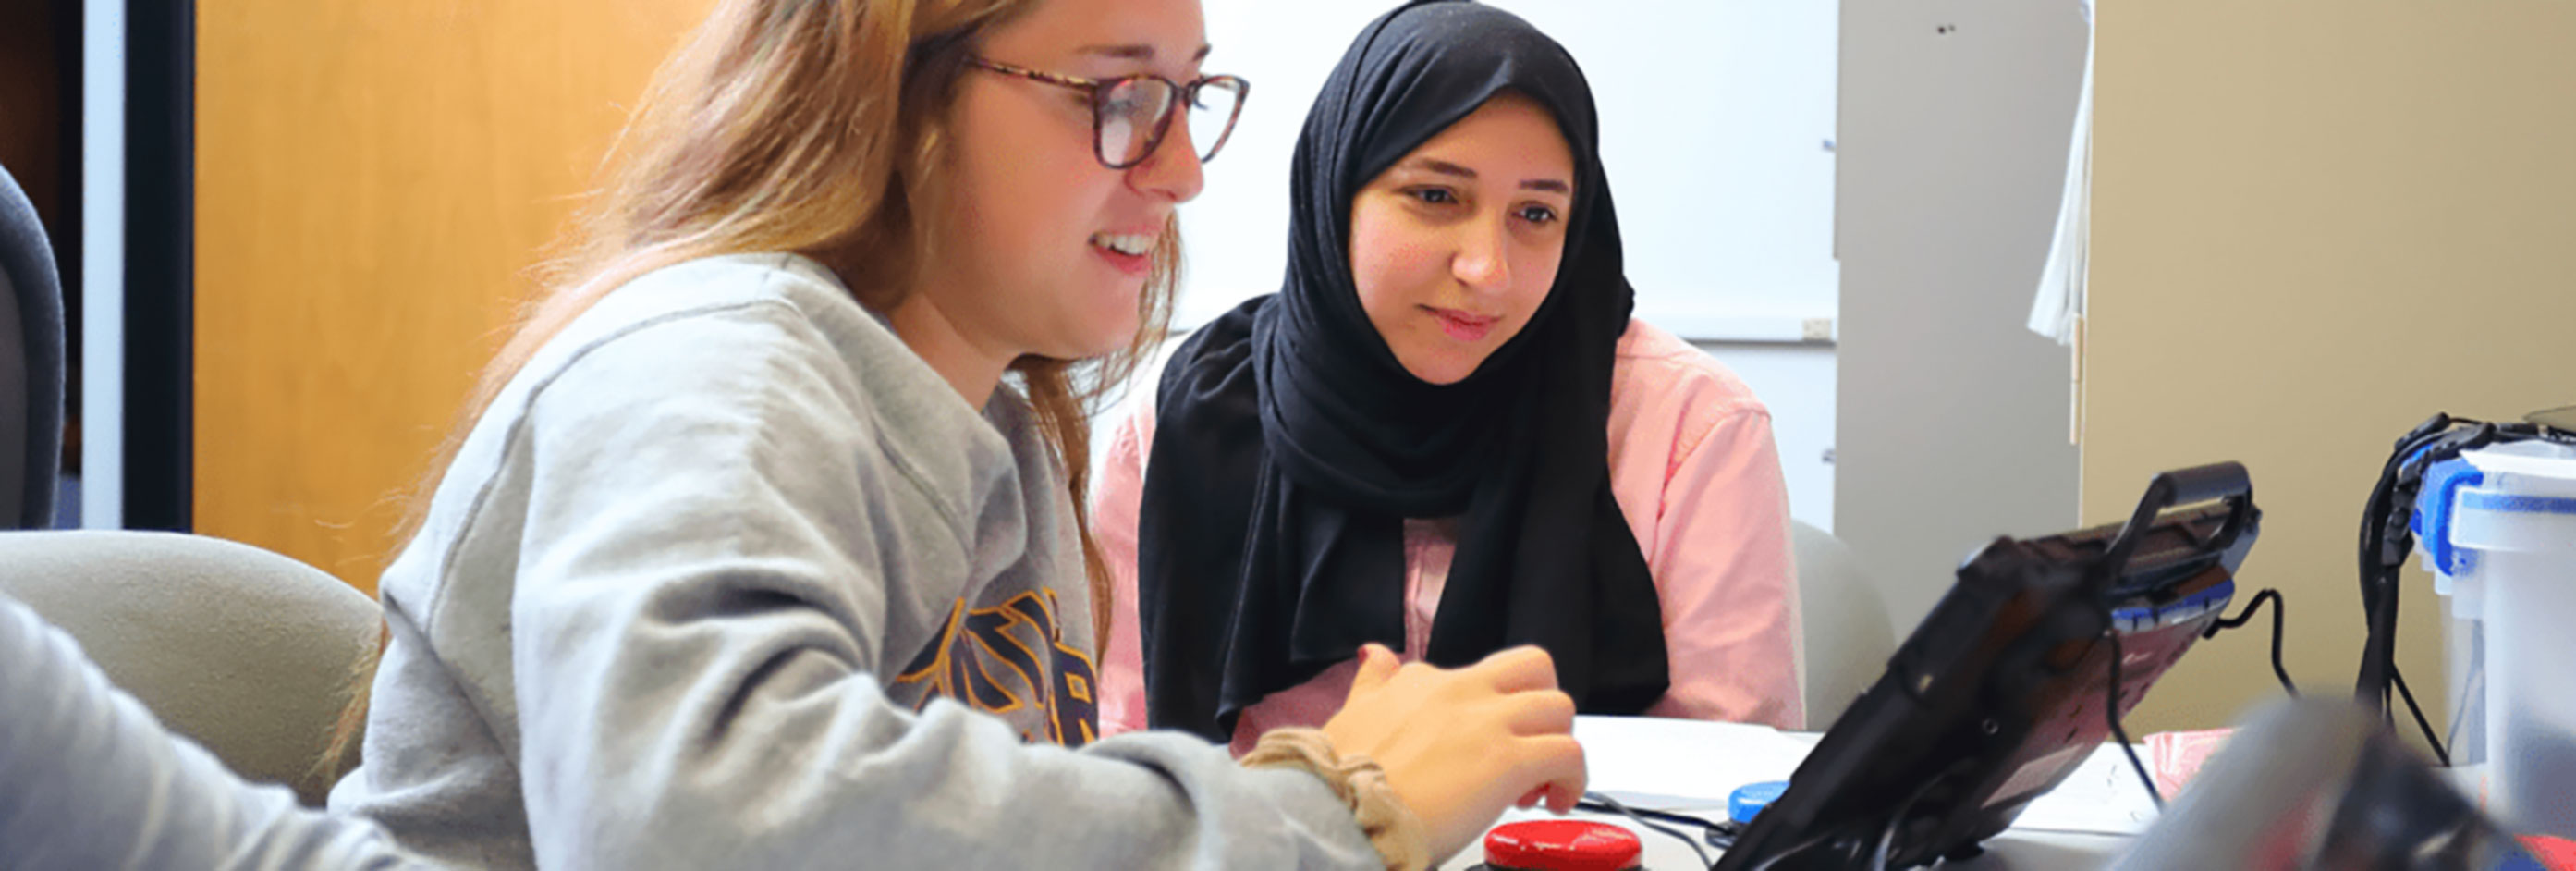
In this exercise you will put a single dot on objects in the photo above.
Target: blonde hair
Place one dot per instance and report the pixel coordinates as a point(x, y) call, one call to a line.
point(812, 126)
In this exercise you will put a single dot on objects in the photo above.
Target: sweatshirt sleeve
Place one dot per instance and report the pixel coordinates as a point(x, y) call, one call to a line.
point(88, 779)
point(712, 548)
point(1116, 498)
point(1723, 566)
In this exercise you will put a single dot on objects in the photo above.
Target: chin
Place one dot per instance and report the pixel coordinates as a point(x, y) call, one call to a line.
point(1120, 332)
point(1096, 340)
point(1442, 369)
point(1091, 322)
point(1440, 373)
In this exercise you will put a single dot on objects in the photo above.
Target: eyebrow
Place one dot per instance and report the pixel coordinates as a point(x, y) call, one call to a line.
point(1444, 167)
point(1137, 51)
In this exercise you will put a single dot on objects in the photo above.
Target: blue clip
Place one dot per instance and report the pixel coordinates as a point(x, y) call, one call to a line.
point(2434, 508)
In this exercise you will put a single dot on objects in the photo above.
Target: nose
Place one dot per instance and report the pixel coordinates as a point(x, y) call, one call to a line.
point(1481, 262)
point(1173, 171)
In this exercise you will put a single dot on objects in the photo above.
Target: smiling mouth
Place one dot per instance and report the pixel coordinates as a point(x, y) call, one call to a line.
point(1462, 326)
point(1128, 244)
point(1131, 254)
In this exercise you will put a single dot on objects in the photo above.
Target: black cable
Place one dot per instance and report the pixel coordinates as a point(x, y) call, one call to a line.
point(2460, 713)
point(2386, 533)
point(2111, 713)
point(2379, 587)
point(2377, 579)
point(1812, 841)
point(1887, 838)
point(2385, 536)
point(2399, 680)
point(1613, 804)
point(2280, 607)
point(1600, 803)
point(1887, 835)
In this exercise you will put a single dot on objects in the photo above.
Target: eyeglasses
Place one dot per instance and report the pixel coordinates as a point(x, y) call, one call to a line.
point(1129, 115)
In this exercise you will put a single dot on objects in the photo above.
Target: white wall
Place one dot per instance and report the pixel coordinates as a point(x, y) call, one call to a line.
point(1714, 118)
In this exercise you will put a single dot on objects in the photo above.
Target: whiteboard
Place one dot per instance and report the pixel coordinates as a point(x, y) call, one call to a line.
point(1716, 119)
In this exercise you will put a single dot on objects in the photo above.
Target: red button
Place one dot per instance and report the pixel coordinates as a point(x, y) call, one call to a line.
point(2556, 854)
point(1561, 845)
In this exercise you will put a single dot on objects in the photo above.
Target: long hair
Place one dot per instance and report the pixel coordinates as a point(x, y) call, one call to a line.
point(813, 126)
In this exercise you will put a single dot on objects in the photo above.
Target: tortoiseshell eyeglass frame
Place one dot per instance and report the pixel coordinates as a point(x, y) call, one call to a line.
point(1099, 89)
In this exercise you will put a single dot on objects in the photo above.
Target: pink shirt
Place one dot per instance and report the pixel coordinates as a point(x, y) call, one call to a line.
point(1692, 466)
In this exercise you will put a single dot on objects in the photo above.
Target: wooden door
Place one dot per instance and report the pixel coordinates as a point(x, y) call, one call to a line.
point(374, 180)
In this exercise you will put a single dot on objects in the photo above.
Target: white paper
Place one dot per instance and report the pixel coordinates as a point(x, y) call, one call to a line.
point(2060, 302)
point(1675, 764)
point(2103, 796)
point(1694, 765)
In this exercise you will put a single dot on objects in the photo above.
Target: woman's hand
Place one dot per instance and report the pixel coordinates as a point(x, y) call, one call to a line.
point(1460, 745)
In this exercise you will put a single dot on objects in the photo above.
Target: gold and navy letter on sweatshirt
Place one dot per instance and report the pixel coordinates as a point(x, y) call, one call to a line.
point(1009, 657)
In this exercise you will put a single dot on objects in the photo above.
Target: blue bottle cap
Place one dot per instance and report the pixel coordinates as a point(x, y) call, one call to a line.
point(1751, 798)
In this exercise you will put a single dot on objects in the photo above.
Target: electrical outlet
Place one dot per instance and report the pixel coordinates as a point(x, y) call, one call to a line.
point(1816, 330)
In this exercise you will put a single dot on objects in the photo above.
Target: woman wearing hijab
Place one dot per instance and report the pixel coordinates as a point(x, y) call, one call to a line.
point(1445, 434)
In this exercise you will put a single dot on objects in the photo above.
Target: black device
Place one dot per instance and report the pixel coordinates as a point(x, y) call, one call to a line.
point(2010, 682)
point(2560, 419)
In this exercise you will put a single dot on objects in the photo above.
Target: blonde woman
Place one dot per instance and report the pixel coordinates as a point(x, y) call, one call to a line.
point(761, 547)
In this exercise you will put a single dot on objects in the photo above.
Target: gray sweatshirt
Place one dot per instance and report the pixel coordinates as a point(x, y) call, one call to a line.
point(89, 781)
point(727, 576)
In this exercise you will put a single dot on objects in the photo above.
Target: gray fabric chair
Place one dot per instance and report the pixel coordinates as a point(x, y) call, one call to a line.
point(1846, 635)
point(246, 651)
point(31, 365)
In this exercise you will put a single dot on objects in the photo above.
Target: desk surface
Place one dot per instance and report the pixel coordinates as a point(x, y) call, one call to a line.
point(2012, 851)
point(1689, 766)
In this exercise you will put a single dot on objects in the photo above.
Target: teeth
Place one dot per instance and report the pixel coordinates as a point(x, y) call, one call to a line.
point(1133, 245)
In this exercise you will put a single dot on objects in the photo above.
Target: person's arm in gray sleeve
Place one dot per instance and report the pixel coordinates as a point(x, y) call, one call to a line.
point(710, 556)
point(89, 780)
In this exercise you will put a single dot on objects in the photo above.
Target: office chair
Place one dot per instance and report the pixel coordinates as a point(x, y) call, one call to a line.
point(1846, 637)
point(247, 652)
point(31, 365)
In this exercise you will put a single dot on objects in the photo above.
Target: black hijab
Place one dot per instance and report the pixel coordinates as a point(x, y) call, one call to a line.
point(1291, 445)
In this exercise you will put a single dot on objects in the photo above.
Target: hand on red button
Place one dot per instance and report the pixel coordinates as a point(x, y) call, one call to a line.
point(1461, 745)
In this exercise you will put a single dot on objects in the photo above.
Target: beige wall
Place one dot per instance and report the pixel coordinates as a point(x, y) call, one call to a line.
point(373, 181)
point(2313, 226)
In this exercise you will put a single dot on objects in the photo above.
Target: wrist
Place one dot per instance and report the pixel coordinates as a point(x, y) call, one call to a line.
point(1360, 783)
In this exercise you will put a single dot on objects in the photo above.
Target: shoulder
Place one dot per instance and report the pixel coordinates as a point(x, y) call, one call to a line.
point(1659, 377)
point(696, 392)
point(750, 367)
point(685, 342)
point(772, 351)
point(736, 331)
point(707, 359)
point(717, 312)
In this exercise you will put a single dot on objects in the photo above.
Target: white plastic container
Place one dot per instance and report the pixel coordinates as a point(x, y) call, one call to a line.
point(2509, 584)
